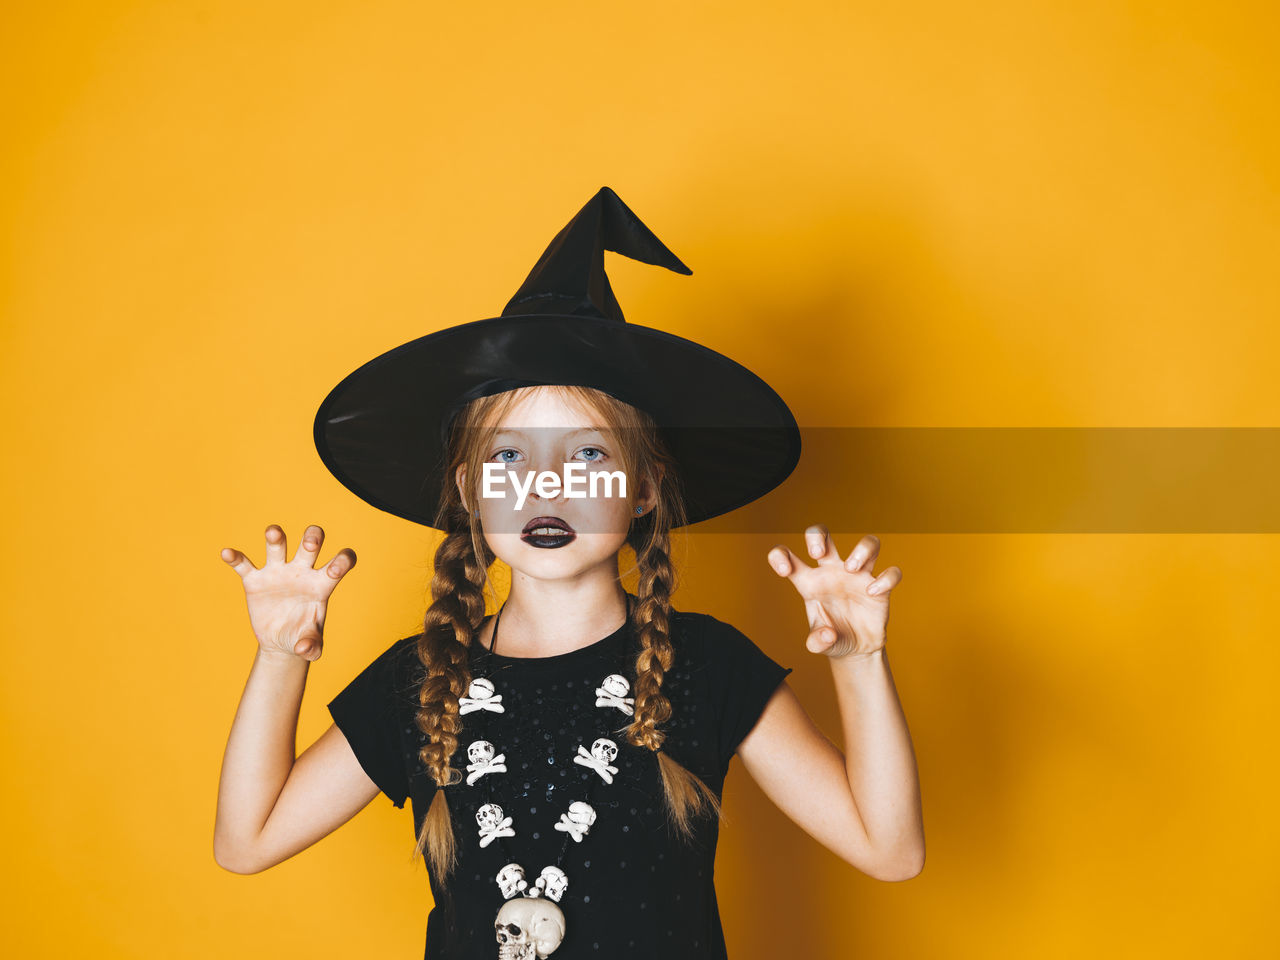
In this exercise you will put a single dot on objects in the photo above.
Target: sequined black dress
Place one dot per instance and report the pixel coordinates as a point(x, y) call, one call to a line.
point(635, 889)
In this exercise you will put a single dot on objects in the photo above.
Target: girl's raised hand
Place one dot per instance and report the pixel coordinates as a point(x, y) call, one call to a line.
point(287, 599)
point(848, 608)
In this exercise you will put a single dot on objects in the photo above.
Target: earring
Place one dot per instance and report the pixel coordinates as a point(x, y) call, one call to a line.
point(639, 510)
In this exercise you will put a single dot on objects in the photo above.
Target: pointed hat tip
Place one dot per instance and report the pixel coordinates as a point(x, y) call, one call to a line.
point(571, 268)
point(638, 243)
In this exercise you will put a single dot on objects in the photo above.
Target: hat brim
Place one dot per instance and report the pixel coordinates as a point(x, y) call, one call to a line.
point(379, 430)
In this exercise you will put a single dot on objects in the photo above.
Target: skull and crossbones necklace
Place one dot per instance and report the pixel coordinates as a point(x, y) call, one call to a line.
point(533, 925)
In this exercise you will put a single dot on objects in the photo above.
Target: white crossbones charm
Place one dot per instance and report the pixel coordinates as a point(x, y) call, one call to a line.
point(483, 760)
point(602, 751)
point(480, 696)
point(493, 824)
point(578, 820)
point(611, 693)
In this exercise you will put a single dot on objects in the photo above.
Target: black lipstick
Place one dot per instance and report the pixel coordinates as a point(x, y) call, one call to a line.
point(547, 533)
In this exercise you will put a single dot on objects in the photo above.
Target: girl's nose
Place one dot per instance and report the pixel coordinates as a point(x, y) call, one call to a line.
point(543, 467)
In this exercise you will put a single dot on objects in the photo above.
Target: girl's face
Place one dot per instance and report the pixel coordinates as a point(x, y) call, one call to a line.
point(550, 535)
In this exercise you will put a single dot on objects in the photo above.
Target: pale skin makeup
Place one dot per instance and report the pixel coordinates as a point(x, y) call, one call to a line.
point(862, 803)
point(541, 432)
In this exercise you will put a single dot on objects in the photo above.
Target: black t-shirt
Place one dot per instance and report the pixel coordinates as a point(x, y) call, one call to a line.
point(635, 888)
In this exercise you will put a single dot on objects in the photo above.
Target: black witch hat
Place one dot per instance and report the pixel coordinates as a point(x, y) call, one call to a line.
point(383, 431)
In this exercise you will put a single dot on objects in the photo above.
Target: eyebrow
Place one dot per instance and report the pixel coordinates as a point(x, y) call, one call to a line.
point(572, 433)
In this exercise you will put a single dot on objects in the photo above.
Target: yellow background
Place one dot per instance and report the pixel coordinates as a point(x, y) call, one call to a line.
point(993, 214)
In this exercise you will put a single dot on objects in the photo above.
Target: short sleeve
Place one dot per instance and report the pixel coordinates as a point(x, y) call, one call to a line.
point(366, 711)
point(743, 679)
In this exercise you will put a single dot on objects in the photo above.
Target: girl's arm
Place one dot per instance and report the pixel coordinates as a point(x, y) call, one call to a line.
point(865, 806)
point(271, 805)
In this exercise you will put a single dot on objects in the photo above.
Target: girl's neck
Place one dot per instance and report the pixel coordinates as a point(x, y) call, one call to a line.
point(543, 619)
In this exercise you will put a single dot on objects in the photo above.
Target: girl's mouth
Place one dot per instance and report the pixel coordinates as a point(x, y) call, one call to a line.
point(547, 533)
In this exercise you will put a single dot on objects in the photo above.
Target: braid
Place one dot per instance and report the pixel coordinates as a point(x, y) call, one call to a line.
point(653, 617)
point(685, 793)
point(452, 619)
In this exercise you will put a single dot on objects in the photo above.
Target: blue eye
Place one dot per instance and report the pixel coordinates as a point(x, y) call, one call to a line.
point(501, 457)
point(595, 450)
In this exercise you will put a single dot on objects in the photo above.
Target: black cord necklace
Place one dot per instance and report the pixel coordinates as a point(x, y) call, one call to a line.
point(533, 924)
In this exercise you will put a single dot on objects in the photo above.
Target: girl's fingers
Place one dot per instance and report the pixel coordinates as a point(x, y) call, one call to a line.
point(340, 565)
point(276, 546)
point(312, 538)
point(866, 550)
point(237, 561)
point(784, 562)
point(820, 638)
point(885, 582)
point(818, 542)
point(309, 647)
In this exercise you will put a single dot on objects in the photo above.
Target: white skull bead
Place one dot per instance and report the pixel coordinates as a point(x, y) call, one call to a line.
point(553, 882)
point(616, 685)
point(511, 879)
point(489, 816)
point(582, 812)
point(481, 688)
point(604, 750)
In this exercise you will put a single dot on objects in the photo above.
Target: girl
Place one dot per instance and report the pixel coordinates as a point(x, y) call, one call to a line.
point(565, 757)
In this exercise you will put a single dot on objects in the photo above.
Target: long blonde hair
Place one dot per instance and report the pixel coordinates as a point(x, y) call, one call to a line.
point(461, 576)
